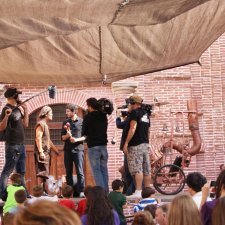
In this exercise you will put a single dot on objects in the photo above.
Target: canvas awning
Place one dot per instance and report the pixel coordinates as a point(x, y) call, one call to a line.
point(77, 41)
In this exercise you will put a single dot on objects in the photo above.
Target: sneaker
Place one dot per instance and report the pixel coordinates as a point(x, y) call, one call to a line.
point(82, 195)
point(135, 195)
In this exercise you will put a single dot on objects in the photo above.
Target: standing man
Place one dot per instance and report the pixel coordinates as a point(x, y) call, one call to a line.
point(73, 147)
point(13, 119)
point(136, 144)
point(95, 130)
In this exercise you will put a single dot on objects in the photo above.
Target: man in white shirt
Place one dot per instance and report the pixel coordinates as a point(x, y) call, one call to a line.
point(195, 181)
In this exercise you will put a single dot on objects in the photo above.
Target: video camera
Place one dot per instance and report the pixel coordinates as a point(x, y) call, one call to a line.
point(106, 106)
point(145, 107)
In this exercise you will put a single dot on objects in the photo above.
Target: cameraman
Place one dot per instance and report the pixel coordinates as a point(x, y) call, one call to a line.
point(136, 145)
point(13, 119)
point(94, 128)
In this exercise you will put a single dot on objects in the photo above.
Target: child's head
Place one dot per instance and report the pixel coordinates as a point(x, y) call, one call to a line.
point(38, 191)
point(117, 185)
point(20, 196)
point(16, 178)
point(147, 192)
point(67, 191)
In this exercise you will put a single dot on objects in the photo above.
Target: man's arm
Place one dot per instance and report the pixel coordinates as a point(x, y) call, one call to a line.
point(133, 126)
point(3, 123)
point(25, 115)
point(54, 148)
point(38, 140)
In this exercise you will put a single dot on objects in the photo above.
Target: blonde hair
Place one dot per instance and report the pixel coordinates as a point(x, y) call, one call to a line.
point(46, 213)
point(183, 211)
point(44, 111)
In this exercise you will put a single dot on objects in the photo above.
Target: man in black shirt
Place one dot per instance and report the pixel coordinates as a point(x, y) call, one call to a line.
point(136, 145)
point(95, 130)
point(73, 147)
point(13, 119)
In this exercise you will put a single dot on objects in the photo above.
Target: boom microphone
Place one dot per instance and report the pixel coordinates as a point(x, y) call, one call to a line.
point(52, 91)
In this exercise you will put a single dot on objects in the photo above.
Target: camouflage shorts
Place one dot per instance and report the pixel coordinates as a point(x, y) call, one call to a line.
point(138, 159)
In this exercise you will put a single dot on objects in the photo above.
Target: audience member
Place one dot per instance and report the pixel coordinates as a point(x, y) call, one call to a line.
point(16, 180)
point(183, 211)
point(83, 202)
point(46, 213)
point(67, 192)
point(20, 197)
point(161, 214)
point(195, 181)
point(38, 192)
point(148, 199)
point(99, 210)
point(118, 200)
point(143, 218)
point(218, 216)
point(152, 209)
point(207, 208)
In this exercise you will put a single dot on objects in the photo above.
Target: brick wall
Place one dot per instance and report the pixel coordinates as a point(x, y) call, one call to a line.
point(205, 83)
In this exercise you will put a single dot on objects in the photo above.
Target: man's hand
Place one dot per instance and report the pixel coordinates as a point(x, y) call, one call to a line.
point(42, 155)
point(125, 148)
point(8, 112)
point(72, 140)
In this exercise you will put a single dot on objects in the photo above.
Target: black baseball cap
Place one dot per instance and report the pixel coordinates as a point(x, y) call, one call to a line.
point(11, 91)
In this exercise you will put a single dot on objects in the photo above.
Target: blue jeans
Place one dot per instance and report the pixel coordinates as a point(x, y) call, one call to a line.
point(98, 157)
point(130, 182)
point(76, 157)
point(15, 158)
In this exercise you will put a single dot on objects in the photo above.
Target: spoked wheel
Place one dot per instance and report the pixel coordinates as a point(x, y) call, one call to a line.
point(169, 179)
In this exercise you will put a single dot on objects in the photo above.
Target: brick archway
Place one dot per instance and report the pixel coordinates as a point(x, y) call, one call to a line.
point(62, 97)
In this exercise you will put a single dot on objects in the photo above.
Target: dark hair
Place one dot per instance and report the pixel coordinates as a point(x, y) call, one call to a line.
point(221, 166)
point(20, 196)
point(71, 107)
point(67, 191)
point(87, 189)
point(218, 216)
point(116, 184)
point(93, 102)
point(164, 208)
point(16, 178)
point(99, 209)
point(147, 192)
point(38, 190)
point(196, 181)
point(220, 183)
point(151, 208)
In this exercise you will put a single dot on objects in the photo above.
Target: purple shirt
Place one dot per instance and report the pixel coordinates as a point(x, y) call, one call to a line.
point(115, 215)
point(206, 212)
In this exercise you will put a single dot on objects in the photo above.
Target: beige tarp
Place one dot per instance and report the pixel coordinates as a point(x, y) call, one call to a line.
point(81, 41)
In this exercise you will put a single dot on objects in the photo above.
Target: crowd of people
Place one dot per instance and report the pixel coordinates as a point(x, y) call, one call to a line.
point(99, 206)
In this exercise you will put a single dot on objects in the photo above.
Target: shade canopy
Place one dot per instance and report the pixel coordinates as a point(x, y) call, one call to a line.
point(86, 41)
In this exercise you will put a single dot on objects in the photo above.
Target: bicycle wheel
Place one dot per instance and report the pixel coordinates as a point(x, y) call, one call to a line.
point(169, 179)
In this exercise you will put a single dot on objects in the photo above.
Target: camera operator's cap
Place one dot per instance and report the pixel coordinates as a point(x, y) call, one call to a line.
point(136, 99)
point(11, 91)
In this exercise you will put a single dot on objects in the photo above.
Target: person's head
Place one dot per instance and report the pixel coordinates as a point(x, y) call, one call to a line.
point(99, 209)
point(12, 93)
point(143, 218)
point(218, 216)
point(195, 181)
point(87, 189)
point(71, 110)
point(220, 184)
point(183, 210)
point(147, 192)
point(161, 214)
point(37, 191)
point(46, 112)
point(152, 209)
point(20, 196)
point(92, 104)
point(135, 102)
point(67, 191)
point(16, 179)
point(46, 213)
point(117, 185)
point(222, 167)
